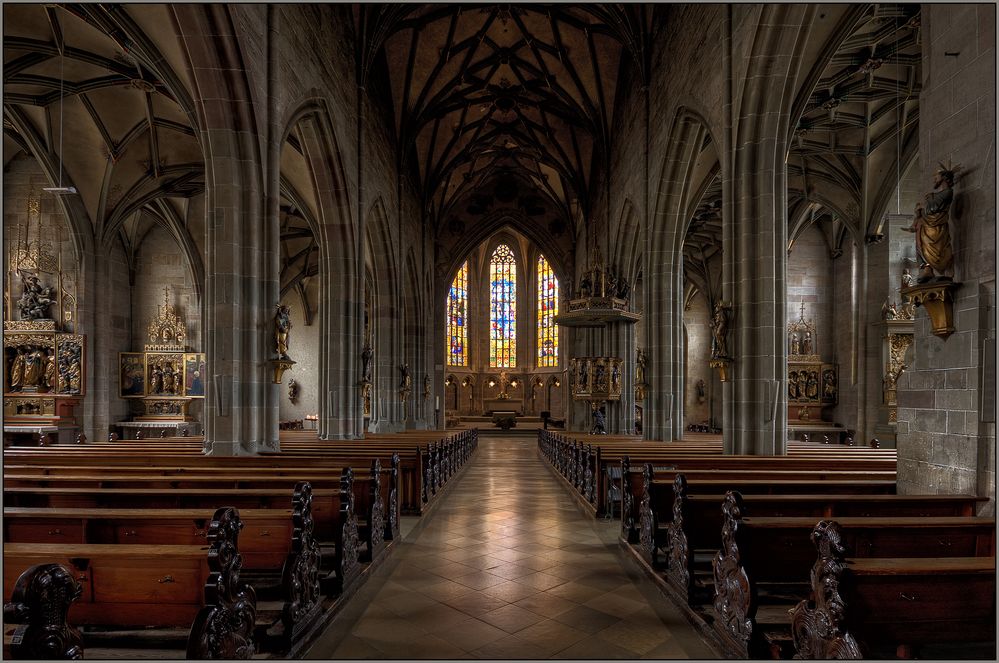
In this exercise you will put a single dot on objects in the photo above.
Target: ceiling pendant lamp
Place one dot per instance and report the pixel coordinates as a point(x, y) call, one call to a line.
point(61, 190)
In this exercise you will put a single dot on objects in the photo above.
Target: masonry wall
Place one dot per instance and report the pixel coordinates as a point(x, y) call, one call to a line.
point(946, 419)
point(696, 321)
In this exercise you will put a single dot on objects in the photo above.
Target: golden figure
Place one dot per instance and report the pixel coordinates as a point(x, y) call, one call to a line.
point(282, 325)
point(932, 227)
point(156, 380)
point(17, 371)
point(50, 372)
point(33, 367)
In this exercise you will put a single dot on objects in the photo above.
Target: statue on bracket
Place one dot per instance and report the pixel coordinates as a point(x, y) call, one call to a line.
point(366, 354)
point(719, 331)
point(282, 325)
point(406, 385)
point(931, 226)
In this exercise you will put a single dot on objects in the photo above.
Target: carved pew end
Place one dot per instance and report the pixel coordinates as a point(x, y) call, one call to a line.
point(39, 605)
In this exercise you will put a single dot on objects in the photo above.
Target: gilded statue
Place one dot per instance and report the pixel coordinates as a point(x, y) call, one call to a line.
point(615, 378)
point(34, 366)
point(50, 372)
point(829, 385)
point(931, 226)
point(792, 385)
point(795, 344)
point(156, 379)
point(806, 343)
point(719, 331)
point(406, 385)
point(17, 371)
point(812, 386)
point(282, 325)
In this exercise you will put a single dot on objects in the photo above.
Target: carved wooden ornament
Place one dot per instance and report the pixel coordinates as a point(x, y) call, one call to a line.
point(39, 605)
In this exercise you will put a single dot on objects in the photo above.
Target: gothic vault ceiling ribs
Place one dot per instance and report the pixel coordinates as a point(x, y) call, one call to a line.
point(127, 139)
point(485, 89)
point(703, 241)
point(848, 139)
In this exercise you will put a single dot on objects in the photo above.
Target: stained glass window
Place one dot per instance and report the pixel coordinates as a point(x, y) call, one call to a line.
point(457, 317)
point(547, 310)
point(502, 308)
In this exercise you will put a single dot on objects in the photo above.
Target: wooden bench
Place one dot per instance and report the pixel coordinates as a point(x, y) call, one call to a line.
point(49, 586)
point(881, 607)
point(763, 563)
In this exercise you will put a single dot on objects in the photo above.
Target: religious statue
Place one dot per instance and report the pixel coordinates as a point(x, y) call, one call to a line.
point(69, 369)
point(585, 286)
point(906, 278)
point(829, 385)
point(792, 386)
point(292, 390)
point(615, 378)
point(623, 288)
point(806, 343)
point(641, 360)
point(611, 283)
point(156, 379)
point(34, 367)
point(700, 391)
point(600, 377)
point(35, 300)
point(719, 331)
point(812, 386)
point(17, 371)
point(584, 376)
point(426, 386)
point(50, 372)
point(282, 325)
point(599, 422)
point(366, 355)
point(573, 371)
point(406, 384)
point(795, 344)
point(932, 229)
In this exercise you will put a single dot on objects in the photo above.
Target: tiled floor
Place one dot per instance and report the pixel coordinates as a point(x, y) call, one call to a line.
point(507, 567)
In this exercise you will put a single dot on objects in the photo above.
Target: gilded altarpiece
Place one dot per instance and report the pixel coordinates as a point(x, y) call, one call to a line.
point(165, 377)
point(44, 358)
point(812, 383)
point(896, 338)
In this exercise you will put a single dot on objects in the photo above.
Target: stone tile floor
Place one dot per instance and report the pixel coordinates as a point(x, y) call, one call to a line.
point(507, 567)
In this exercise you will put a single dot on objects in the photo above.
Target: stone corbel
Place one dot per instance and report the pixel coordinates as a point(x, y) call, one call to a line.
point(280, 366)
point(938, 300)
point(721, 365)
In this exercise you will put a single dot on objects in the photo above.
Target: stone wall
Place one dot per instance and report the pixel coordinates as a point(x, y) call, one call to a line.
point(303, 343)
point(696, 322)
point(946, 425)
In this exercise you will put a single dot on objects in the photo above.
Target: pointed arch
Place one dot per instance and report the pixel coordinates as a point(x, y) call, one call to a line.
point(503, 307)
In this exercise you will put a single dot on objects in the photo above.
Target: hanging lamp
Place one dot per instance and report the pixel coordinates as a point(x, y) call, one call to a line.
point(61, 190)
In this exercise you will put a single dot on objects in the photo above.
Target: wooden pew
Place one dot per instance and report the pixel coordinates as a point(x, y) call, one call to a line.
point(764, 560)
point(137, 585)
point(881, 607)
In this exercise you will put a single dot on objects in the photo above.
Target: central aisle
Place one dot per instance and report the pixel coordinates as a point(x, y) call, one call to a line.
point(508, 567)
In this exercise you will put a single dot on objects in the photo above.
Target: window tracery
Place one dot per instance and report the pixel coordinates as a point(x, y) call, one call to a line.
point(547, 310)
point(502, 308)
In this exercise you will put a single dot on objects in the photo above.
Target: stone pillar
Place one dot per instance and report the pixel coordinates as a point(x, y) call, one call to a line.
point(621, 343)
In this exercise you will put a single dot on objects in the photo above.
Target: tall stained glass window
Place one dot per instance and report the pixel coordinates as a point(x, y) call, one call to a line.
point(547, 310)
point(457, 319)
point(502, 308)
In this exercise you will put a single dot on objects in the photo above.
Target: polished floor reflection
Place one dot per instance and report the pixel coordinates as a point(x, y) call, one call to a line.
point(507, 567)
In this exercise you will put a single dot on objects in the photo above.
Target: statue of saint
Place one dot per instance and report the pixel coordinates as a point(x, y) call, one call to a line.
point(792, 385)
point(806, 344)
point(615, 378)
point(34, 366)
point(17, 371)
point(932, 227)
point(795, 344)
point(584, 376)
point(366, 354)
point(426, 386)
point(50, 372)
point(407, 379)
point(641, 361)
point(35, 300)
point(282, 325)
point(829, 385)
point(719, 332)
point(906, 278)
point(812, 386)
point(168, 379)
point(600, 377)
point(156, 379)
point(700, 391)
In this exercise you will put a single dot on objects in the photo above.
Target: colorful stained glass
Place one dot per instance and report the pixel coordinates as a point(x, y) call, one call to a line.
point(502, 308)
point(457, 315)
point(547, 310)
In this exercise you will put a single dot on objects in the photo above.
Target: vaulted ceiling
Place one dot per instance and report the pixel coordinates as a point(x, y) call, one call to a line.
point(859, 126)
point(91, 87)
point(493, 97)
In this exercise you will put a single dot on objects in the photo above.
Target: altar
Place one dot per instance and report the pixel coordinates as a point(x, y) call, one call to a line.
point(492, 405)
